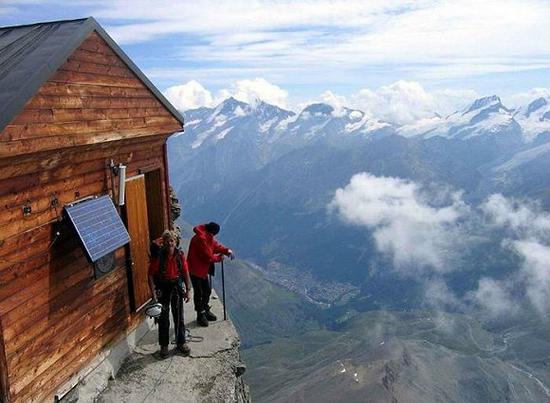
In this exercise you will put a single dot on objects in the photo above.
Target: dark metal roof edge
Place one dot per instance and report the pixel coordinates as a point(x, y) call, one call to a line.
point(137, 71)
point(12, 109)
point(43, 23)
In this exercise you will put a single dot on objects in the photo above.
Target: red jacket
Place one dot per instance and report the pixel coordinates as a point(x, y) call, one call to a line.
point(173, 272)
point(203, 251)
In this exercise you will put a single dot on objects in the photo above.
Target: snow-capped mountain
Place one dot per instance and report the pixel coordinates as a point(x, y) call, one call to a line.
point(263, 133)
point(207, 126)
point(266, 131)
point(484, 117)
point(534, 118)
point(270, 126)
point(323, 119)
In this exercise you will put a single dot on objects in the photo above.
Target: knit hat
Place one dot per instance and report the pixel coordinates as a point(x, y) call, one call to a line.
point(212, 228)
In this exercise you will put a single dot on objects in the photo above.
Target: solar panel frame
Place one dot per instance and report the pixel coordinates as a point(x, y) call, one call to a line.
point(98, 226)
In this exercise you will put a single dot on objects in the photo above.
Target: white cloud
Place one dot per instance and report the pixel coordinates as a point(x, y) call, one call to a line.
point(402, 102)
point(493, 297)
point(340, 41)
point(189, 96)
point(438, 295)
point(193, 95)
point(423, 229)
point(407, 101)
point(250, 91)
point(440, 38)
point(337, 102)
point(416, 234)
point(528, 234)
point(524, 98)
point(525, 219)
point(536, 273)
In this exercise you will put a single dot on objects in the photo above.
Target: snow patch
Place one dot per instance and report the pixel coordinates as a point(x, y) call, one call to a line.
point(264, 127)
point(222, 134)
point(193, 122)
point(219, 120)
point(422, 126)
point(283, 124)
point(199, 140)
point(239, 111)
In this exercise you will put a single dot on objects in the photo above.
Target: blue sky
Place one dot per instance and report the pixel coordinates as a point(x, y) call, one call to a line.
point(424, 54)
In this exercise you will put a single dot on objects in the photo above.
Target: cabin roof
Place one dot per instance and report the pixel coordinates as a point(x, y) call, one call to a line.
point(31, 54)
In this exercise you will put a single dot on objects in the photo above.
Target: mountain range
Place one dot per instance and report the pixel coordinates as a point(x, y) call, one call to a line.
point(502, 140)
point(269, 124)
point(258, 169)
point(269, 176)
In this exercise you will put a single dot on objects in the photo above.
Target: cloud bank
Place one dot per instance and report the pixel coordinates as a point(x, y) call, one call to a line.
point(423, 230)
point(250, 91)
point(416, 234)
point(192, 94)
point(527, 233)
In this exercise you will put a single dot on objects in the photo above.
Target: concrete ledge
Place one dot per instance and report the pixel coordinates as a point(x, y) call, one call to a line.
point(89, 382)
point(210, 374)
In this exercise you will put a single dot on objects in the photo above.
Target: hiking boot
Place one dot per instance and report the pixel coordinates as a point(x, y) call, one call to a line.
point(201, 319)
point(210, 316)
point(164, 352)
point(184, 349)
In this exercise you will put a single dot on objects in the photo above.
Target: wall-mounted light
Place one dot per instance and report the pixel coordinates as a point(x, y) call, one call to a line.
point(121, 184)
point(120, 171)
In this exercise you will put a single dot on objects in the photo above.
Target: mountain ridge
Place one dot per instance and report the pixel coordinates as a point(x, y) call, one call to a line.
point(484, 116)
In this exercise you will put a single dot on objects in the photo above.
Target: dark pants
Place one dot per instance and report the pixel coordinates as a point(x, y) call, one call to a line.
point(171, 294)
point(201, 293)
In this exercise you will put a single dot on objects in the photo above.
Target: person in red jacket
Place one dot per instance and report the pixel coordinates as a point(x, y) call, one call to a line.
point(168, 273)
point(204, 251)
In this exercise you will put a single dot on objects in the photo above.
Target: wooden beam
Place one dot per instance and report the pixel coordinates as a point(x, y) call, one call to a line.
point(96, 79)
point(107, 102)
point(54, 115)
point(90, 90)
point(27, 146)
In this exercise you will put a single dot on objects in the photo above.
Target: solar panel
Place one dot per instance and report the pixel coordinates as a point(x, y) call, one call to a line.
point(98, 225)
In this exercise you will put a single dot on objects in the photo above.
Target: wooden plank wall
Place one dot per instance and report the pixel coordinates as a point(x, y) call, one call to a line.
point(55, 317)
point(92, 93)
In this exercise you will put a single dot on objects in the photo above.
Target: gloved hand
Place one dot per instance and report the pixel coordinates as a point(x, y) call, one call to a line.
point(230, 254)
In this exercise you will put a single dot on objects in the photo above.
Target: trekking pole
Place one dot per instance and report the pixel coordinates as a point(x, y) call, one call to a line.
point(180, 305)
point(223, 294)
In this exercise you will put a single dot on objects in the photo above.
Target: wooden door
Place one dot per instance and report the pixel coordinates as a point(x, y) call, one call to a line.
point(138, 228)
point(155, 210)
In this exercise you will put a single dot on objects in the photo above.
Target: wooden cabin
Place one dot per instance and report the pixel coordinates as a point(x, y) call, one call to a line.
point(73, 107)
